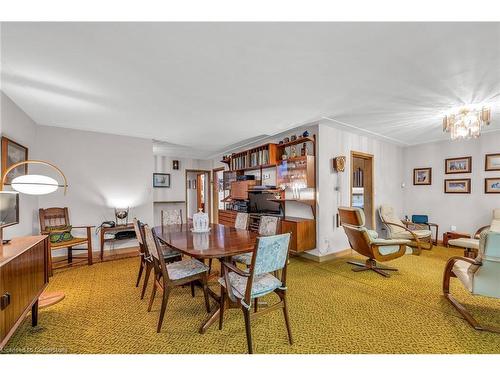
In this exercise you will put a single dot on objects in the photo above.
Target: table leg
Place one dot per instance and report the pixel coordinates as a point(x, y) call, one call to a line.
point(102, 244)
point(34, 314)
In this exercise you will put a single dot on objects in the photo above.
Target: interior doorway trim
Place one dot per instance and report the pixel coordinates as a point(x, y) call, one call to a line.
point(209, 200)
point(371, 158)
point(215, 194)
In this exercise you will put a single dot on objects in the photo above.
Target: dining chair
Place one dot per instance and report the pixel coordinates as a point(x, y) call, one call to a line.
point(268, 226)
point(171, 217)
point(168, 276)
point(241, 221)
point(245, 287)
point(146, 262)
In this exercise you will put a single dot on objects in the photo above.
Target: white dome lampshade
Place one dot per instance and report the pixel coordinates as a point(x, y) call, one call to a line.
point(34, 184)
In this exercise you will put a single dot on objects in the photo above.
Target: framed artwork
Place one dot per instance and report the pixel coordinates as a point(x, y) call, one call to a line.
point(492, 185)
point(161, 180)
point(422, 176)
point(492, 162)
point(457, 186)
point(13, 152)
point(458, 165)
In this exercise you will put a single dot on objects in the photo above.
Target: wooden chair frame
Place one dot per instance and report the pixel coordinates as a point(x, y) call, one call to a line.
point(146, 261)
point(246, 300)
point(165, 284)
point(62, 213)
point(448, 274)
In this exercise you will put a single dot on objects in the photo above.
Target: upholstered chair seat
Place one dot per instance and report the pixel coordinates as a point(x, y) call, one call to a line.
point(420, 233)
point(467, 243)
point(262, 284)
point(185, 268)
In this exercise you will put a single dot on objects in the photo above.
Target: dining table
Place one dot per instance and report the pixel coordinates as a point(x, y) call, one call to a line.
point(221, 242)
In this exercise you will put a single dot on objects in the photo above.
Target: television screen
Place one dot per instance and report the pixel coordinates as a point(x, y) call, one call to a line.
point(9, 208)
point(260, 203)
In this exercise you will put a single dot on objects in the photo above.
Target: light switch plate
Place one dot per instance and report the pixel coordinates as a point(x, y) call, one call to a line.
point(453, 228)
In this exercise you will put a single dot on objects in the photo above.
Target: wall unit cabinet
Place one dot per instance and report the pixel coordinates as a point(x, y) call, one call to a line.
point(239, 189)
point(303, 233)
point(23, 277)
point(227, 217)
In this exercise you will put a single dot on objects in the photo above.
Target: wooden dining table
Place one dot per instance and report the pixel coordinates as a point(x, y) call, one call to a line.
point(221, 242)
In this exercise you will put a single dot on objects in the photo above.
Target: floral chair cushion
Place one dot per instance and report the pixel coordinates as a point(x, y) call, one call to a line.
point(262, 284)
point(245, 259)
point(271, 254)
point(241, 221)
point(169, 253)
point(268, 225)
point(171, 217)
point(185, 268)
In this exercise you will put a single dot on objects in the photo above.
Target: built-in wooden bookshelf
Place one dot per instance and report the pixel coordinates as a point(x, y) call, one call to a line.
point(265, 156)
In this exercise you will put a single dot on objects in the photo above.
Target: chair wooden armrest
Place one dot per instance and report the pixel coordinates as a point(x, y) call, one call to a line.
point(402, 248)
point(235, 269)
point(83, 226)
point(448, 270)
point(478, 232)
point(406, 229)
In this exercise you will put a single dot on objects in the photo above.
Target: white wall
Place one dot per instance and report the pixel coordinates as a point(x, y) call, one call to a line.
point(388, 160)
point(177, 189)
point(18, 126)
point(467, 212)
point(103, 171)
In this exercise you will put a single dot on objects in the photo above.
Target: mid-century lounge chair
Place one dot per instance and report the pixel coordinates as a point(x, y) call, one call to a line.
point(397, 230)
point(471, 245)
point(245, 287)
point(480, 276)
point(367, 243)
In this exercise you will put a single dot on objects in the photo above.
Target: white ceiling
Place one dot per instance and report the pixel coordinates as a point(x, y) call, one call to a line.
point(207, 86)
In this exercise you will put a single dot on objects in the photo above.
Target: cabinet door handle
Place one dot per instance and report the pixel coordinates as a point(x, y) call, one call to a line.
point(4, 301)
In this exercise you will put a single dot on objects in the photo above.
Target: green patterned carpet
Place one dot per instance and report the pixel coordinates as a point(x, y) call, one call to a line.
point(332, 310)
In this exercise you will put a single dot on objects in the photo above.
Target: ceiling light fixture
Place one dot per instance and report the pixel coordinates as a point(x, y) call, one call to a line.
point(466, 122)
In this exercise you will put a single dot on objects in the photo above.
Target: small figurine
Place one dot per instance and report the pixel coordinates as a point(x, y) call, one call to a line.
point(294, 153)
point(305, 134)
point(293, 138)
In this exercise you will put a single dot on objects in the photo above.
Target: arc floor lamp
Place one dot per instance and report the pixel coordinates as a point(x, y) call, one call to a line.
point(35, 184)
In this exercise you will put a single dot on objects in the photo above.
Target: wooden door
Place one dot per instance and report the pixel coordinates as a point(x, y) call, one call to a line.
point(362, 185)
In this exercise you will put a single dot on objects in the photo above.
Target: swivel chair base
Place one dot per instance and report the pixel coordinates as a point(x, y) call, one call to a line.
point(371, 265)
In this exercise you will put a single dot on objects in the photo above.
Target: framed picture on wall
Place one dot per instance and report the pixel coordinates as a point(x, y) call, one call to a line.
point(458, 165)
point(12, 153)
point(492, 185)
point(457, 186)
point(422, 176)
point(161, 180)
point(492, 162)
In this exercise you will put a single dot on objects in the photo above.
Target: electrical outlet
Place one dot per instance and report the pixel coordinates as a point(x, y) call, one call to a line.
point(453, 228)
point(266, 176)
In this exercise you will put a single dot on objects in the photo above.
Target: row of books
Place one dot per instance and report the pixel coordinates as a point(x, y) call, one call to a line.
point(239, 162)
point(260, 157)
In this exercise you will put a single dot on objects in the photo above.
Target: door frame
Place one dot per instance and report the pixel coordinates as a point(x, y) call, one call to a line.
point(209, 200)
point(215, 194)
point(371, 157)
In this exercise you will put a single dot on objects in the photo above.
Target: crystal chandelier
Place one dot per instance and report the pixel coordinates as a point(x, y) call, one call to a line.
point(466, 122)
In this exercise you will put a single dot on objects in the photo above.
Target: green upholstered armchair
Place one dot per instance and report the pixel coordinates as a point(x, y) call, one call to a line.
point(480, 276)
point(367, 243)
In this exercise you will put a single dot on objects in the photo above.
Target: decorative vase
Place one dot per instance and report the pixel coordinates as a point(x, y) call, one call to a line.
point(200, 222)
point(305, 134)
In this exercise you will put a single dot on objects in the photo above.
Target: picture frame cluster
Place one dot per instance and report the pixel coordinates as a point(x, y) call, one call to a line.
point(461, 165)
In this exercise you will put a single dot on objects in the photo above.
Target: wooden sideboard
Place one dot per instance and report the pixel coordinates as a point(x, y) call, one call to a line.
point(24, 274)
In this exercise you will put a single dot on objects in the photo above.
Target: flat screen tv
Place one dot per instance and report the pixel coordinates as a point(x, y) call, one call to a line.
point(9, 208)
point(259, 202)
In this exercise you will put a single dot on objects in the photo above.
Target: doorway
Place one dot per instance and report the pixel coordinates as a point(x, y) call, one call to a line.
point(361, 193)
point(197, 192)
point(217, 193)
